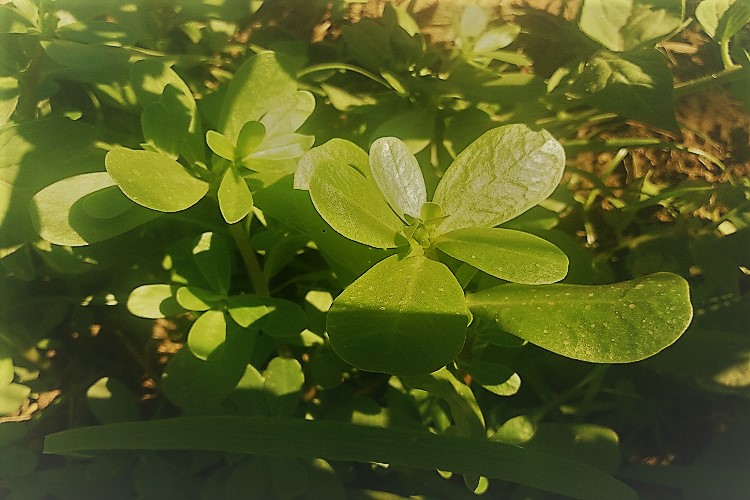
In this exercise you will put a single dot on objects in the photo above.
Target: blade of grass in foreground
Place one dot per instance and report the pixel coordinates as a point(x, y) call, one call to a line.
point(344, 441)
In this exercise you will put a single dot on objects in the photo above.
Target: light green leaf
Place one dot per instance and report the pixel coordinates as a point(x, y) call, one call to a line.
point(398, 176)
point(473, 22)
point(9, 95)
point(60, 212)
point(709, 12)
point(207, 333)
point(153, 301)
point(622, 25)
point(404, 317)
point(736, 16)
point(235, 198)
point(415, 128)
point(193, 298)
point(287, 113)
point(503, 173)
point(496, 378)
point(617, 323)
point(353, 205)
point(154, 180)
point(336, 150)
point(258, 84)
point(220, 145)
point(247, 309)
point(6, 371)
point(251, 135)
point(161, 130)
point(276, 317)
point(507, 254)
point(497, 38)
point(342, 441)
point(283, 147)
point(283, 383)
point(12, 396)
point(212, 256)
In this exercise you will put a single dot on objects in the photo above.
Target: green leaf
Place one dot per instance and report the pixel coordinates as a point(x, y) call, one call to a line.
point(153, 301)
point(414, 128)
point(10, 92)
point(249, 138)
point(111, 401)
point(154, 180)
point(212, 256)
point(283, 383)
point(6, 371)
point(160, 131)
point(353, 205)
point(709, 12)
point(503, 173)
point(220, 145)
point(735, 17)
point(276, 317)
point(61, 212)
point(282, 147)
point(235, 198)
point(194, 298)
point(617, 323)
point(496, 378)
point(207, 333)
point(473, 22)
point(336, 151)
point(587, 443)
point(497, 38)
point(635, 84)
point(507, 254)
point(287, 113)
point(404, 317)
point(398, 176)
point(344, 441)
point(622, 25)
point(12, 396)
point(258, 83)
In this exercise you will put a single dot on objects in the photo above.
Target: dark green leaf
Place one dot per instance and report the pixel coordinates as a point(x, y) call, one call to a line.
point(111, 401)
point(617, 323)
point(732, 21)
point(402, 317)
point(344, 441)
point(212, 256)
point(496, 378)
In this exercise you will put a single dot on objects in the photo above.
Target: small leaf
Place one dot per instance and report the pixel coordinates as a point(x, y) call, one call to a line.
point(220, 145)
point(473, 22)
point(353, 205)
point(212, 256)
point(235, 198)
point(160, 132)
point(709, 12)
point(111, 401)
point(287, 113)
point(732, 21)
point(251, 135)
point(403, 317)
point(507, 254)
point(617, 323)
point(496, 378)
point(12, 396)
point(497, 38)
point(6, 371)
point(276, 317)
point(283, 147)
point(207, 333)
point(246, 310)
point(397, 174)
point(283, 382)
point(503, 173)
point(193, 298)
point(154, 180)
point(153, 301)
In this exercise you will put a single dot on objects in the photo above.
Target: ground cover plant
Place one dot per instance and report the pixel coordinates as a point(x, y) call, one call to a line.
point(299, 249)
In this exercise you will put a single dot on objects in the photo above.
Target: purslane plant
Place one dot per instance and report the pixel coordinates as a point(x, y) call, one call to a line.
point(408, 314)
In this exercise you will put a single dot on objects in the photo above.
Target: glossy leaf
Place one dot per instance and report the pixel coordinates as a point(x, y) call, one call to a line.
point(257, 84)
point(353, 205)
point(401, 317)
point(398, 176)
point(249, 138)
point(60, 212)
point(193, 298)
point(337, 151)
point(283, 147)
point(283, 383)
point(235, 198)
point(277, 317)
point(161, 131)
point(617, 323)
point(500, 175)
point(154, 180)
point(207, 333)
point(220, 145)
point(507, 254)
point(348, 442)
point(287, 113)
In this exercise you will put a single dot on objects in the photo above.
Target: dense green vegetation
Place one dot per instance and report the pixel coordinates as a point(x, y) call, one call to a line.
point(242, 257)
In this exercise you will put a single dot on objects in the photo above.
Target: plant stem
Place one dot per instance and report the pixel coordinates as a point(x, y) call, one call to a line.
point(343, 66)
point(254, 271)
point(731, 74)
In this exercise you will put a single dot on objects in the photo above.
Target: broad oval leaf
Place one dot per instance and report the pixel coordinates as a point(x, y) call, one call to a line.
point(162, 130)
point(353, 205)
point(250, 136)
point(153, 301)
point(336, 150)
point(207, 333)
point(497, 38)
point(507, 254)
point(496, 378)
point(235, 198)
point(276, 317)
point(220, 145)
point(154, 180)
point(194, 298)
point(397, 174)
point(404, 317)
point(256, 85)
point(617, 323)
point(473, 21)
point(61, 212)
point(503, 173)
point(709, 12)
point(287, 113)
